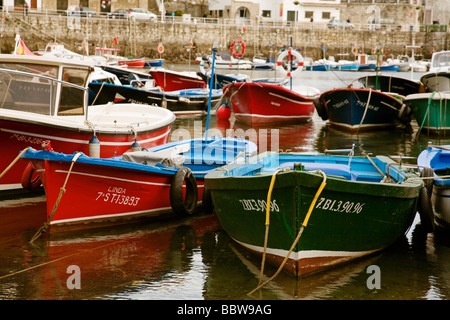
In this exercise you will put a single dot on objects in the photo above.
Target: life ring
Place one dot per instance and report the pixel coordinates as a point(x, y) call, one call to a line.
point(374, 51)
point(237, 54)
point(355, 51)
point(160, 49)
point(183, 204)
point(30, 181)
point(283, 55)
point(426, 210)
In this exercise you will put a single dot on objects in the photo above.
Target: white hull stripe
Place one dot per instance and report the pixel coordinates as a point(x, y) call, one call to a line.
point(107, 143)
point(114, 178)
point(290, 100)
point(306, 254)
point(107, 216)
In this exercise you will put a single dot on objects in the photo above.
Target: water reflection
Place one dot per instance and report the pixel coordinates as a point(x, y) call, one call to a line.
point(194, 258)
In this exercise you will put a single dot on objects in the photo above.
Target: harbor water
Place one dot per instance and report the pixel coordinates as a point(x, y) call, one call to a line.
point(194, 259)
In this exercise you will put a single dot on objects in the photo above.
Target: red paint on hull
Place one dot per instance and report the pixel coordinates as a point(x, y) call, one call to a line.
point(17, 136)
point(262, 104)
point(100, 193)
point(173, 81)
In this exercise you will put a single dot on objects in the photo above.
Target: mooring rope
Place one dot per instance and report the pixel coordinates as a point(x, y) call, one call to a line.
point(61, 192)
point(14, 161)
point(304, 224)
point(267, 223)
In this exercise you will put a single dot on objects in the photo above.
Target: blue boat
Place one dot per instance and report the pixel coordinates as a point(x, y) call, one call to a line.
point(362, 109)
point(389, 67)
point(367, 67)
point(317, 67)
point(437, 158)
point(345, 66)
point(154, 63)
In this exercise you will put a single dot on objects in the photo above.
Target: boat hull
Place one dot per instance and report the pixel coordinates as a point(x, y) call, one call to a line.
point(436, 81)
point(361, 109)
point(262, 104)
point(19, 134)
point(135, 63)
point(173, 81)
point(350, 219)
point(431, 111)
point(115, 190)
point(387, 83)
point(182, 102)
point(438, 159)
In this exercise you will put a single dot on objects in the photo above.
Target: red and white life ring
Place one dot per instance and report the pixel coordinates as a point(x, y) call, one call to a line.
point(290, 52)
point(160, 49)
point(242, 45)
point(374, 51)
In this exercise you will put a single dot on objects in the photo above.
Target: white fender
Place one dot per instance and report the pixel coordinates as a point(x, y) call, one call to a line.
point(283, 55)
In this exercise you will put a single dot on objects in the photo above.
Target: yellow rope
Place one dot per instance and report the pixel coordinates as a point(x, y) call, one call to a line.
point(304, 224)
point(266, 236)
point(14, 161)
point(61, 192)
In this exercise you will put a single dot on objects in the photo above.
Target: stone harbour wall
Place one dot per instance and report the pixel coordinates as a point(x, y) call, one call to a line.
point(142, 38)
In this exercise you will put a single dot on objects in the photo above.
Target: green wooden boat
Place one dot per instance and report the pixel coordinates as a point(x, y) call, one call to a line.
point(366, 205)
point(431, 110)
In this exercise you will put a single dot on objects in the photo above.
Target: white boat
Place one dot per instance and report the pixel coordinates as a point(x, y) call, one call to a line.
point(224, 60)
point(45, 98)
point(438, 78)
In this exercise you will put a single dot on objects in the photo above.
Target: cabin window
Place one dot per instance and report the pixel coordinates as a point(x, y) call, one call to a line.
point(71, 101)
point(30, 91)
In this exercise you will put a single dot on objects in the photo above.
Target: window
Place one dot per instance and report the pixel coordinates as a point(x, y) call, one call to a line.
point(326, 15)
point(309, 14)
point(266, 13)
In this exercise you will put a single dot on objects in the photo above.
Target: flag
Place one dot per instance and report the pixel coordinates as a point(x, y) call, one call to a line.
point(22, 49)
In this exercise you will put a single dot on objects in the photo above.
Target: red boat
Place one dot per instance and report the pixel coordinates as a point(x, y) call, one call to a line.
point(30, 115)
point(166, 180)
point(135, 63)
point(173, 81)
point(261, 103)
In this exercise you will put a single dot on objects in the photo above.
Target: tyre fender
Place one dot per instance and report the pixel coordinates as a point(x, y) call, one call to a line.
point(183, 204)
point(426, 211)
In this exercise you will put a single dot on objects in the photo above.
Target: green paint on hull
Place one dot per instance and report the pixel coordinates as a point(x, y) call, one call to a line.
point(349, 216)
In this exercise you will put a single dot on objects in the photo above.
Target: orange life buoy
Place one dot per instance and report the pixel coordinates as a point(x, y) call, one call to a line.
point(374, 50)
point(160, 49)
point(237, 54)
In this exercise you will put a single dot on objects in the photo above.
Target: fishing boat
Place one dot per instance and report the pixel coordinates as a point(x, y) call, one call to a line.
point(438, 78)
point(225, 60)
point(169, 80)
point(394, 84)
point(167, 180)
point(344, 65)
point(430, 107)
point(180, 102)
point(362, 109)
point(438, 159)
point(39, 105)
point(262, 103)
point(431, 111)
point(348, 207)
point(134, 63)
point(152, 63)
